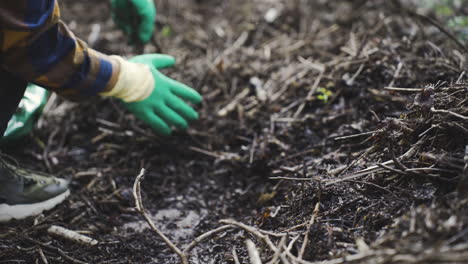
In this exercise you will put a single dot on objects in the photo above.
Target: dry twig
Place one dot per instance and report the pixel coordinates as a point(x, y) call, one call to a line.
point(205, 236)
point(58, 250)
point(141, 209)
point(252, 231)
point(253, 252)
point(72, 236)
point(309, 226)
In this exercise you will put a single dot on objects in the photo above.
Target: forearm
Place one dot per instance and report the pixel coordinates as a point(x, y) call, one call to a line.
point(38, 47)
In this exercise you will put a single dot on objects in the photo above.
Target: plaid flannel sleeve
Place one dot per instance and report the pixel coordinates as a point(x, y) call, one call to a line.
point(36, 45)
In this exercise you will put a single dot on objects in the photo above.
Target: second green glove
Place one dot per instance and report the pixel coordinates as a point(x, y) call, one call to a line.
point(135, 17)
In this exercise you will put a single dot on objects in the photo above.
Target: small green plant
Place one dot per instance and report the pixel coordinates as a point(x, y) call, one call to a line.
point(166, 31)
point(444, 9)
point(324, 94)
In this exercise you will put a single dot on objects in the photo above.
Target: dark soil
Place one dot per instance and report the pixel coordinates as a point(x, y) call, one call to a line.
point(278, 99)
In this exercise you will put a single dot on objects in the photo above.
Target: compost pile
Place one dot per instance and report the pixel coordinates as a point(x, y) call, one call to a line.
point(330, 131)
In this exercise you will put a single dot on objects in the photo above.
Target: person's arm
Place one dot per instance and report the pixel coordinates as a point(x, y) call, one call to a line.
point(36, 46)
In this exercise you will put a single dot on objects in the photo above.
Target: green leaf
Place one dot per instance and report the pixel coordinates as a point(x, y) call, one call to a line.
point(166, 31)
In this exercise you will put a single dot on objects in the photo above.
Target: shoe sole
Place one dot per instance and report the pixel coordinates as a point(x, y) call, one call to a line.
point(21, 211)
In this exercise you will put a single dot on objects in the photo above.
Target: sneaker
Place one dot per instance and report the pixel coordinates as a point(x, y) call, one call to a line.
point(25, 193)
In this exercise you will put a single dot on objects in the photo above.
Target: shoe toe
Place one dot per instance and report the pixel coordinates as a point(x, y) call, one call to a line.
point(59, 186)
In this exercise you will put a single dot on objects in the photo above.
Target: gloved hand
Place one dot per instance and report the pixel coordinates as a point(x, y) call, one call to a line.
point(135, 17)
point(27, 113)
point(151, 96)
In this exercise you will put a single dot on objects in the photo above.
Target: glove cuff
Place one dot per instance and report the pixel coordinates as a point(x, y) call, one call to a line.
point(134, 84)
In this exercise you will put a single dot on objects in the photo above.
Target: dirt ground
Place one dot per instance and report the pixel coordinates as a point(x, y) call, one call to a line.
point(330, 131)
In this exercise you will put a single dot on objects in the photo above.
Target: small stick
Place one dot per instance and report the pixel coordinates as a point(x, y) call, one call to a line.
point(292, 242)
point(232, 105)
point(309, 226)
point(433, 110)
point(295, 227)
point(291, 179)
point(376, 168)
point(278, 253)
point(356, 135)
point(353, 78)
point(141, 209)
point(253, 252)
point(205, 236)
point(206, 152)
point(364, 154)
point(401, 89)
point(284, 259)
point(357, 258)
point(252, 150)
point(310, 94)
point(397, 74)
point(463, 184)
point(404, 172)
point(252, 231)
point(41, 254)
point(298, 154)
point(72, 236)
point(59, 250)
point(376, 186)
point(460, 77)
point(358, 174)
point(184, 255)
point(392, 169)
point(234, 256)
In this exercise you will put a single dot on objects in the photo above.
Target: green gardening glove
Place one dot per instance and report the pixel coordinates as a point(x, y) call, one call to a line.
point(27, 113)
point(164, 107)
point(135, 17)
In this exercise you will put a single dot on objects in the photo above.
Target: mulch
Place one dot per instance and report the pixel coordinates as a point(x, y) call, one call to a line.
point(330, 131)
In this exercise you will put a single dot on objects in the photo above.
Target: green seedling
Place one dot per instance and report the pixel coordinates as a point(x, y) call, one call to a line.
point(324, 94)
point(166, 31)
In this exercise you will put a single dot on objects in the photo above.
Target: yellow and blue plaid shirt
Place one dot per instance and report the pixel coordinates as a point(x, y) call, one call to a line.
point(36, 46)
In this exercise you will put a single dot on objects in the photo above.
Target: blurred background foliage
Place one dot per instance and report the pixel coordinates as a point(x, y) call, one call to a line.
point(453, 12)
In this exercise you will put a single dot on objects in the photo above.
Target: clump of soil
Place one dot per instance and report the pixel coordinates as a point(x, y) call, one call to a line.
point(340, 121)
